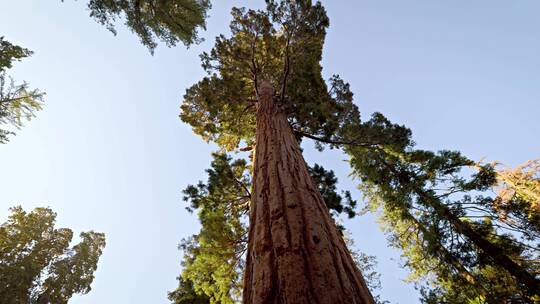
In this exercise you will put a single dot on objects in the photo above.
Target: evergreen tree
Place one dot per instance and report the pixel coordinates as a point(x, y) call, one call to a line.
point(436, 209)
point(213, 259)
point(264, 82)
point(36, 263)
point(17, 101)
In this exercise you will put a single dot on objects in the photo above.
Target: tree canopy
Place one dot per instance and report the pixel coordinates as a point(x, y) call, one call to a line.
point(170, 21)
point(37, 264)
point(282, 45)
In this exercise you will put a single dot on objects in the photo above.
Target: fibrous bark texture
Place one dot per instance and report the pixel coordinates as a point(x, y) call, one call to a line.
point(295, 252)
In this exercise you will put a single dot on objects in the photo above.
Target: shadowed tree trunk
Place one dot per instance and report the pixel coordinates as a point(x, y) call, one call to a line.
point(295, 252)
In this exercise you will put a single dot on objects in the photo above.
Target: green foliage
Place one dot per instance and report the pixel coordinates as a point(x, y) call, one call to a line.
point(282, 45)
point(170, 21)
point(10, 53)
point(185, 294)
point(36, 263)
point(17, 101)
point(326, 182)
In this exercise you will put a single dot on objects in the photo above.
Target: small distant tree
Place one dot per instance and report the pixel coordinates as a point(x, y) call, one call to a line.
point(37, 264)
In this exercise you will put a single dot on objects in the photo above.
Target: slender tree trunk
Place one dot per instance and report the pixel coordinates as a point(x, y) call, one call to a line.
point(295, 252)
point(528, 280)
point(525, 278)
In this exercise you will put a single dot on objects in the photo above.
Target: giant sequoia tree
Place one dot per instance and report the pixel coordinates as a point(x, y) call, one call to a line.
point(264, 84)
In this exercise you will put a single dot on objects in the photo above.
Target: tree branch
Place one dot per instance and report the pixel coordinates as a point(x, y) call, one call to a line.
point(337, 142)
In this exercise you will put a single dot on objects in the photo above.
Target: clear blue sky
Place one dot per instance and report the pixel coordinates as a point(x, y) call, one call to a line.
point(108, 152)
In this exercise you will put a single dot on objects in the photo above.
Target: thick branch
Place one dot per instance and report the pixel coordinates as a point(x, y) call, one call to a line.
point(337, 142)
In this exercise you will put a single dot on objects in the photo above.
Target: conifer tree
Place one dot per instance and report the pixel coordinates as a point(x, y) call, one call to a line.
point(17, 101)
point(264, 82)
point(36, 263)
point(438, 210)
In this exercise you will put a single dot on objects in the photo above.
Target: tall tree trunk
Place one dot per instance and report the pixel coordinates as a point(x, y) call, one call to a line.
point(295, 252)
point(527, 279)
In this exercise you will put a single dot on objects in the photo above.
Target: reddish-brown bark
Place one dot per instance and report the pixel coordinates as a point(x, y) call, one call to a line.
point(295, 252)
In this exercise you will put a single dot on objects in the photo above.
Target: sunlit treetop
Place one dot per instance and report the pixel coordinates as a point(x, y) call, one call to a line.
point(282, 45)
point(171, 21)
